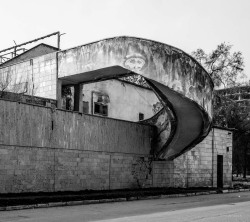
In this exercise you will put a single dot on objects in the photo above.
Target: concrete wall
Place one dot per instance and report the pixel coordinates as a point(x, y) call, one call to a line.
point(34, 126)
point(126, 101)
point(28, 99)
point(198, 167)
point(33, 169)
point(42, 149)
point(39, 73)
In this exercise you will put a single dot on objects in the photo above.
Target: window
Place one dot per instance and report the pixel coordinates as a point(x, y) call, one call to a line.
point(99, 103)
point(100, 109)
point(141, 116)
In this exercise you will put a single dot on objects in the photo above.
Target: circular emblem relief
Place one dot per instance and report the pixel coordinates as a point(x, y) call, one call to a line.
point(135, 62)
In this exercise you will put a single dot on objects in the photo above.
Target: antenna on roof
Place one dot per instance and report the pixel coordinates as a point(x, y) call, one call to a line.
point(4, 57)
point(59, 39)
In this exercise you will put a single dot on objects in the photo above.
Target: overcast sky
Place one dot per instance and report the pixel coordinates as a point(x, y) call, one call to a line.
point(185, 24)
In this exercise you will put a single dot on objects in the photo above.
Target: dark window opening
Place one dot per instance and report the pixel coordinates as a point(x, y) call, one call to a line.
point(100, 109)
point(85, 108)
point(141, 116)
point(69, 103)
point(227, 149)
point(219, 171)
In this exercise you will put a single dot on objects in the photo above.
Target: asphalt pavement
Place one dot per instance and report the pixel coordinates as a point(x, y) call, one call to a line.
point(214, 207)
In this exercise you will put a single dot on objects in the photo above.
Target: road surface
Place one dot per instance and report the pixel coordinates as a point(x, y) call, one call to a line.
point(217, 207)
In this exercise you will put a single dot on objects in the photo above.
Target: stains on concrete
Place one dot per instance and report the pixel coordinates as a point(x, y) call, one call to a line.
point(155, 61)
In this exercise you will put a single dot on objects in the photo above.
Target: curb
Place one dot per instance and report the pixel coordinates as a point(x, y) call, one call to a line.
point(87, 202)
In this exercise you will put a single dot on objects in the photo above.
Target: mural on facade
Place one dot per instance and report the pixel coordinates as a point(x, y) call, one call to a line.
point(135, 62)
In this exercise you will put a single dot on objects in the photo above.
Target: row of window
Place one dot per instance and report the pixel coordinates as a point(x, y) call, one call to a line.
point(102, 109)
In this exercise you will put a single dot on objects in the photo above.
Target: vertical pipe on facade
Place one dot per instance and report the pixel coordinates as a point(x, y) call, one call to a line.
point(187, 171)
point(54, 185)
point(58, 40)
point(57, 101)
point(58, 46)
point(58, 84)
point(109, 171)
point(212, 157)
point(92, 102)
point(14, 51)
point(32, 76)
point(54, 168)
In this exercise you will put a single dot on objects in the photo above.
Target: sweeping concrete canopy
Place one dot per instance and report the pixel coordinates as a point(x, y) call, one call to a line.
point(180, 82)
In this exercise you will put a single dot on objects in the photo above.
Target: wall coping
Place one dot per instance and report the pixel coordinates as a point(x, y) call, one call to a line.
point(76, 112)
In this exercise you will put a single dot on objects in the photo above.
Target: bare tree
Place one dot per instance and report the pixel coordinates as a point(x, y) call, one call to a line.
point(224, 67)
point(10, 83)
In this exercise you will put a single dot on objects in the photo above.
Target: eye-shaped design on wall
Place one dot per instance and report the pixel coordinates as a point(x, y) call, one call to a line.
point(135, 62)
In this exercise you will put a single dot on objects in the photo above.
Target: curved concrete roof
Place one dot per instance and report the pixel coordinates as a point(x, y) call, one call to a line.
point(182, 85)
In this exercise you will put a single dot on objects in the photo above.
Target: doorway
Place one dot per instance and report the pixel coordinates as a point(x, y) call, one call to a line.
point(220, 171)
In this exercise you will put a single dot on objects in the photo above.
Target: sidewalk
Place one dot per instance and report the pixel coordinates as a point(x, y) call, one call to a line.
point(44, 200)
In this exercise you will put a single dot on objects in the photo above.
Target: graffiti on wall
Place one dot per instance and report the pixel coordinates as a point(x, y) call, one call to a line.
point(141, 171)
point(135, 62)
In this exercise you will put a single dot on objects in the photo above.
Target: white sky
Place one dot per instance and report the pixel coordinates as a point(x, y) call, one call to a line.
point(185, 24)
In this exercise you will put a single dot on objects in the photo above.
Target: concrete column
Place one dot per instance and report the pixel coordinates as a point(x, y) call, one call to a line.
point(78, 106)
point(59, 94)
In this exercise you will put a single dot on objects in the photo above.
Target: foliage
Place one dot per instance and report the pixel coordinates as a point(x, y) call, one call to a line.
point(8, 83)
point(66, 91)
point(224, 67)
point(4, 83)
point(234, 114)
point(241, 153)
point(229, 113)
point(67, 97)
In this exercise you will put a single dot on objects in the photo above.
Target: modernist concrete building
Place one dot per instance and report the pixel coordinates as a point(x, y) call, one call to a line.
point(172, 145)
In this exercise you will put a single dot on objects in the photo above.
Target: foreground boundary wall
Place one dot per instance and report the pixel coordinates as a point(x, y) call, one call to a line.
point(43, 149)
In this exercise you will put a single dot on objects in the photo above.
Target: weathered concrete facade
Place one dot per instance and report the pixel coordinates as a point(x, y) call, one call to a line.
point(198, 167)
point(160, 62)
point(125, 101)
point(60, 150)
point(177, 79)
point(39, 74)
